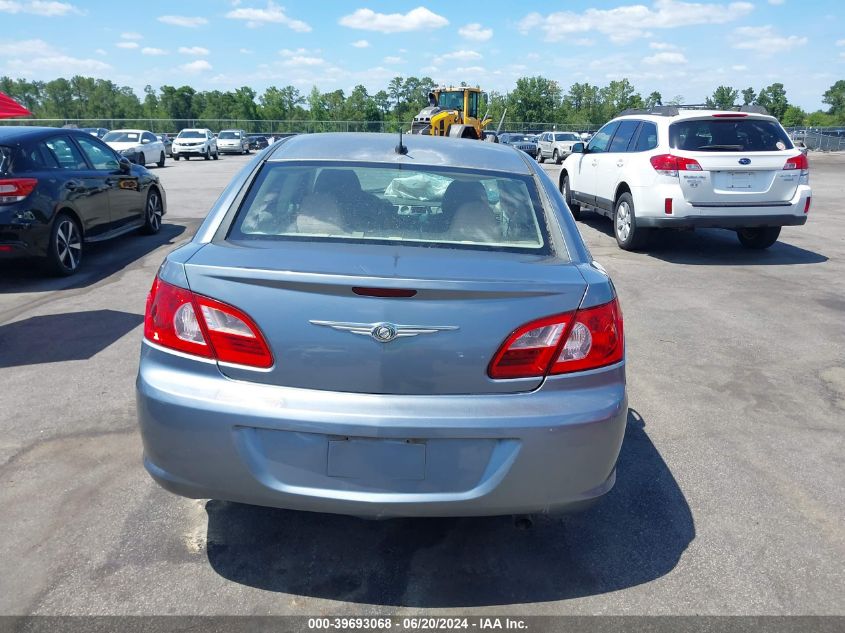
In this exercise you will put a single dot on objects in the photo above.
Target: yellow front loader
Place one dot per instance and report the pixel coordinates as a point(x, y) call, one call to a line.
point(452, 112)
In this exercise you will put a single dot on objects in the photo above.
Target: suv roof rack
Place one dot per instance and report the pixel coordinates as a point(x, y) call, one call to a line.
point(674, 110)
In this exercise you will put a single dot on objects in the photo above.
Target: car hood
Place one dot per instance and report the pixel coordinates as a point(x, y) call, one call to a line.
point(119, 147)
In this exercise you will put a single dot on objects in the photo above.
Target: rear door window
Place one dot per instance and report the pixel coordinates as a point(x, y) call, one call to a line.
point(373, 203)
point(65, 153)
point(601, 140)
point(728, 135)
point(623, 136)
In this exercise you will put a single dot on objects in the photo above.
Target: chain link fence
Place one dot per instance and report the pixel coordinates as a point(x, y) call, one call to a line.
point(260, 126)
point(819, 139)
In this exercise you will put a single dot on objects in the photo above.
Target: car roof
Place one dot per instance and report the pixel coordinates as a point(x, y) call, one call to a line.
point(17, 133)
point(131, 130)
point(684, 115)
point(381, 148)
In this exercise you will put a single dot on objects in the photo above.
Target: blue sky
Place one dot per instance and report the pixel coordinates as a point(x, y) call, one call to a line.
point(676, 47)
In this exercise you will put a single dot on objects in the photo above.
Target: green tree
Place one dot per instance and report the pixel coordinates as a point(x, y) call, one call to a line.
point(534, 99)
point(748, 96)
point(619, 95)
point(794, 116)
point(773, 98)
point(654, 99)
point(835, 98)
point(724, 98)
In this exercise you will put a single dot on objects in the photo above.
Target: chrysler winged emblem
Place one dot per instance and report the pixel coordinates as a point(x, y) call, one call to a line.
point(384, 332)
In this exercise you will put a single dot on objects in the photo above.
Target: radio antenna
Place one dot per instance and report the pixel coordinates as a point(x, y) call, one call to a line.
point(401, 148)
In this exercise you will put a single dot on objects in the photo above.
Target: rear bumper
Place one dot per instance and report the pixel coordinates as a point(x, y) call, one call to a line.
point(649, 203)
point(206, 436)
point(721, 221)
point(24, 240)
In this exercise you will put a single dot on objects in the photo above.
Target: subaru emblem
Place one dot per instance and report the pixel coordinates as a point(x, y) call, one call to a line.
point(744, 161)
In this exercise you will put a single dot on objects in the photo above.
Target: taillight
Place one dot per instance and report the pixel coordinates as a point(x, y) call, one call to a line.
point(186, 322)
point(16, 189)
point(729, 115)
point(798, 162)
point(670, 165)
point(807, 204)
point(573, 341)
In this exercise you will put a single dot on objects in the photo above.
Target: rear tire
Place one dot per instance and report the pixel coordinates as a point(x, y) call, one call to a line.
point(540, 158)
point(629, 236)
point(160, 162)
point(574, 207)
point(758, 238)
point(65, 248)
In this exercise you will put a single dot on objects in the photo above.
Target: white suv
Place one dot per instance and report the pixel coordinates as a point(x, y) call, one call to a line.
point(195, 142)
point(556, 145)
point(671, 167)
point(232, 142)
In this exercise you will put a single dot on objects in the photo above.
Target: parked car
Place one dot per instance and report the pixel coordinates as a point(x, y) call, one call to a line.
point(195, 142)
point(167, 142)
point(99, 132)
point(258, 141)
point(519, 141)
point(689, 168)
point(438, 342)
point(233, 142)
point(556, 145)
point(61, 189)
point(139, 146)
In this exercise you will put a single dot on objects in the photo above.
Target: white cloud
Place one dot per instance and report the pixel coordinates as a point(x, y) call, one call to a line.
point(198, 66)
point(776, 2)
point(272, 14)
point(100, 51)
point(129, 45)
point(765, 40)
point(361, 44)
point(148, 50)
point(629, 22)
point(303, 60)
point(462, 56)
point(39, 7)
point(29, 48)
point(197, 51)
point(55, 65)
point(187, 21)
point(393, 60)
point(415, 20)
point(739, 68)
point(131, 36)
point(661, 46)
point(246, 51)
point(665, 58)
point(840, 42)
point(475, 32)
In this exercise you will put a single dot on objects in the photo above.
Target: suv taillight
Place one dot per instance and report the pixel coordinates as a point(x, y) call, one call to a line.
point(670, 165)
point(574, 341)
point(186, 322)
point(798, 162)
point(16, 189)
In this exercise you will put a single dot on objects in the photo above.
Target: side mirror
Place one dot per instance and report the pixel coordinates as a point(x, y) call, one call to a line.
point(578, 148)
point(124, 164)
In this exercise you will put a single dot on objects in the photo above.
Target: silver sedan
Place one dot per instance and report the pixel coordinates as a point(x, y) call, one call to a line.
point(368, 328)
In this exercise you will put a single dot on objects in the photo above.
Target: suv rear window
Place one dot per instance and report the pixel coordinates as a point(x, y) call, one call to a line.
point(728, 135)
point(416, 206)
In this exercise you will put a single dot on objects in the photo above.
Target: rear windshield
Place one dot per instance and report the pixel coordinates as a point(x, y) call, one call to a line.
point(418, 206)
point(122, 137)
point(5, 159)
point(728, 135)
point(229, 135)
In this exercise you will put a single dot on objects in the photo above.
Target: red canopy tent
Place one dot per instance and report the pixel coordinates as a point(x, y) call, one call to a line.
point(10, 108)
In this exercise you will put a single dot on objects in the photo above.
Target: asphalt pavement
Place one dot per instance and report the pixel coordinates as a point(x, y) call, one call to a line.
point(729, 498)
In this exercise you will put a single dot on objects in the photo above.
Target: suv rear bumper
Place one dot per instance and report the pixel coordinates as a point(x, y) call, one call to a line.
point(721, 221)
point(649, 203)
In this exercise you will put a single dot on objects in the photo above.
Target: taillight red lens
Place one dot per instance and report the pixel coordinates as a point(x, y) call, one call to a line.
point(16, 189)
point(729, 115)
point(807, 204)
point(670, 165)
point(181, 320)
point(798, 162)
point(563, 343)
